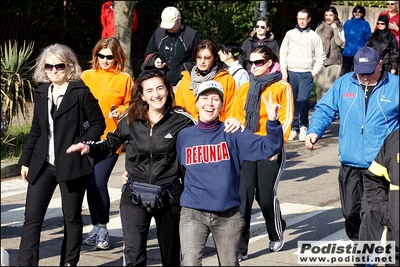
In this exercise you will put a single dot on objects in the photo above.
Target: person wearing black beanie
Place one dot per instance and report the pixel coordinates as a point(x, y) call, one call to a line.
point(384, 42)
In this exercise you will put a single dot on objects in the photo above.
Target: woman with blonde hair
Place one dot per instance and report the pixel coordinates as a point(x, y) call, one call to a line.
point(58, 104)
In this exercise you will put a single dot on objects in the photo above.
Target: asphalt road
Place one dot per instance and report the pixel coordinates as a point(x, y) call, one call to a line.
point(308, 193)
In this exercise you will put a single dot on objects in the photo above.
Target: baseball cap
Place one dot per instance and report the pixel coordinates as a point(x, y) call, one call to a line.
point(205, 86)
point(365, 60)
point(169, 16)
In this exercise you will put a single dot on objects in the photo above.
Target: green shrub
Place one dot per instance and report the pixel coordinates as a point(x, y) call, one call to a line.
point(14, 141)
point(16, 82)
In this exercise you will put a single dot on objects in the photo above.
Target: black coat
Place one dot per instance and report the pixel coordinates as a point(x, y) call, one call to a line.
point(175, 51)
point(67, 128)
point(251, 42)
point(387, 48)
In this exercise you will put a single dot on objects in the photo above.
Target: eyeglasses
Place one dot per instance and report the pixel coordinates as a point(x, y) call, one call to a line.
point(58, 67)
point(258, 63)
point(390, 4)
point(357, 11)
point(109, 57)
point(302, 19)
point(260, 26)
point(153, 72)
point(380, 23)
point(205, 58)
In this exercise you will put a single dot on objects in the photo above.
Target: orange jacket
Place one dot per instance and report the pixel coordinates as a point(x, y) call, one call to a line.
point(185, 97)
point(281, 94)
point(109, 87)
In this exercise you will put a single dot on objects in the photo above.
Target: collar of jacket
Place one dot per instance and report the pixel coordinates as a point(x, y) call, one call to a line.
point(380, 80)
point(110, 70)
point(301, 30)
point(167, 113)
point(190, 65)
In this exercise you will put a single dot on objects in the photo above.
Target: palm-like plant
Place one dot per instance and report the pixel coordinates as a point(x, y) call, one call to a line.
point(16, 82)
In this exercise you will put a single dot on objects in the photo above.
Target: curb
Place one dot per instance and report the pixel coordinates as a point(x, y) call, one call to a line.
point(10, 170)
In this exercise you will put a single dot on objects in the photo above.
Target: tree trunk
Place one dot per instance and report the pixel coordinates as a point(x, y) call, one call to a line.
point(123, 17)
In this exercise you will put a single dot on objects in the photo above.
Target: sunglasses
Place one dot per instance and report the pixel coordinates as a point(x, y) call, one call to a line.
point(258, 63)
point(357, 11)
point(58, 67)
point(153, 72)
point(205, 58)
point(380, 23)
point(260, 26)
point(390, 4)
point(109, 57)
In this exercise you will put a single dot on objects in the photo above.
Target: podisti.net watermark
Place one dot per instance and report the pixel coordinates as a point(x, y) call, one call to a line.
point(343, 252)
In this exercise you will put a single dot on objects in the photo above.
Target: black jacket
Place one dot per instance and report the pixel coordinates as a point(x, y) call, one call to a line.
point(67, 128)
point(150, 155)
point(381, 185)
point(388, 49)
point(176, 51)
point(252, 42)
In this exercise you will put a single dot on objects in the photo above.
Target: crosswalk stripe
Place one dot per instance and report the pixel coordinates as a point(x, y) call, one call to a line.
point(13, 187)
point(15, 217)
point(292, 212)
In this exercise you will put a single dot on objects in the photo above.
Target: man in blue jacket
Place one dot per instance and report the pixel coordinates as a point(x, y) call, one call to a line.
point(367, 102)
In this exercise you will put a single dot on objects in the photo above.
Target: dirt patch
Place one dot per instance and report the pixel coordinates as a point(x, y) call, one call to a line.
point(20, 120)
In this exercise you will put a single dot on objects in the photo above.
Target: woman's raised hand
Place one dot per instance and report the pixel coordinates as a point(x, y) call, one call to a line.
point(272, 108)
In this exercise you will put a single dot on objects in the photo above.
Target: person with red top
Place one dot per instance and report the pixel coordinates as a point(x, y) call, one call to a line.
point(393, 14)
point(107, 20)
point(112, 88)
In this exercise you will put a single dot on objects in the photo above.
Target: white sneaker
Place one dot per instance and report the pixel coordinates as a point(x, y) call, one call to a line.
point(102, 240)
point(90, 240)
point(275, 246)
point(292, 135)
point(303, 133)
point(242, 257)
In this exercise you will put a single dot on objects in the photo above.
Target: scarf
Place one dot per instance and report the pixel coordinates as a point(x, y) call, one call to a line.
point(326, 33)
point(252, 107)
point(197, 79)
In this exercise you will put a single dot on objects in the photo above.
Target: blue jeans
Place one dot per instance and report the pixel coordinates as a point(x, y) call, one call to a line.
point(301, 83)
point(225, 227)
point(97, 190)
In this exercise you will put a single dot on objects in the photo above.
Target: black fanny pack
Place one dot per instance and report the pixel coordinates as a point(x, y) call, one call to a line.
point(147, 195)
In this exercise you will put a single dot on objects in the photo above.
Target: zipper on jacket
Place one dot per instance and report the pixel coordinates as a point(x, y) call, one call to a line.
point(362, 129)
point(151, 154)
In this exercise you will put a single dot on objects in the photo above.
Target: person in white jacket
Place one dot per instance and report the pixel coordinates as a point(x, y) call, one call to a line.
point(301, 58)
point(229, 54)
